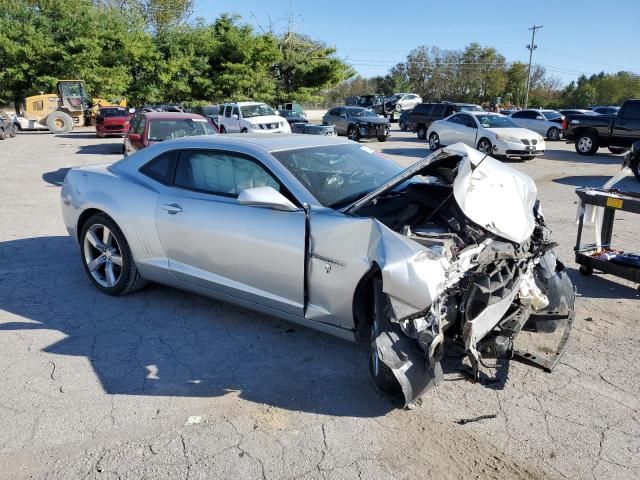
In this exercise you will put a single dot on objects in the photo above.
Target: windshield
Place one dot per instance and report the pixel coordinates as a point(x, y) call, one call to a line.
point(495, 121)
point(337, 175)
point(258, 110)
point(551, 115)
point(113, 112)
point(160, 130)
point(470, 108)
point(361, 112)
point(288, 113)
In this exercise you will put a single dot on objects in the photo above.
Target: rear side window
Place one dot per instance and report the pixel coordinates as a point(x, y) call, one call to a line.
point(423, 108)
point(438, 110)
point(227, 111)
point(161, 168)
point(220, 173)
point(632, 110)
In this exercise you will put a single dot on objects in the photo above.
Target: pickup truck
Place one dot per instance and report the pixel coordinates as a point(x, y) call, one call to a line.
point(618, 132)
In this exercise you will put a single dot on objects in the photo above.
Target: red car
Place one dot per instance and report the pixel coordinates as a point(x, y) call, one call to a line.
point(148, 128)
point(112, 121)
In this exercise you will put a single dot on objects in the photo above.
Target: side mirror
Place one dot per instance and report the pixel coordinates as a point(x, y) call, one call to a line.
point(539, 117)
point(235, 116)
point(265, 197)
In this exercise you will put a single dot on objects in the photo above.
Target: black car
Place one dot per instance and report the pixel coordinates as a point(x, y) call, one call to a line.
point(424, 114)
point(605, 110)
point(7, 128)
point(293, 116)
point(209, 111)
point(357, 123)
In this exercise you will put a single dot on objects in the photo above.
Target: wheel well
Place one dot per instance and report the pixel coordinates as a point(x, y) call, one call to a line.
point(583, 130)
point(82, 219)
point(484, 138)
point(363, 303)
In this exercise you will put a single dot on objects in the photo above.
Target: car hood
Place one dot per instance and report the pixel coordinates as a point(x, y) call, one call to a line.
point(489, 193)
point(514, 132)
point(375, 120)
point(265, 119)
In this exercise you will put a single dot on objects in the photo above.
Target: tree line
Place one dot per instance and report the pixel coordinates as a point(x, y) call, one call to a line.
point(482, 75)
point(144, 51)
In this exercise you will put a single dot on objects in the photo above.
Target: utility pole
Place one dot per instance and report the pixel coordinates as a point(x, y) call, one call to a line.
point(531, 48)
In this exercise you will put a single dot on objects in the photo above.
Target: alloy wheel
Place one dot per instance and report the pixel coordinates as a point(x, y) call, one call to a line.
point(103, 255)
point(434, 141)
point(484, 146)
point(585, 144)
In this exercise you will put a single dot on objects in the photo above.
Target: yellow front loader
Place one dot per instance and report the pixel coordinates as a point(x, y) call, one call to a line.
point(62, 111)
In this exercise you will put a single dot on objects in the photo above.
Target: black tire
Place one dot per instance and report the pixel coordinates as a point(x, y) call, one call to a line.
point(553, 133)
point(222, 129)
point(244, 130)
point(59, 122)
point(17, 127)
point(530, 157)
point(353, 134)
point(635, 167)
point(129, 279)
point(2, 134)
point(383, 138)
point(617, 150)
point(434, 141)
point(382, 375)
point(484, 146)
point(12, 131)
point(586, 271)
point(421, 130)
point(587, 144)
point(403, 126)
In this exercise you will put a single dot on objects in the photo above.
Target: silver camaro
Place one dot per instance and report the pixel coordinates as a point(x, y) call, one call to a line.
point(326, 233)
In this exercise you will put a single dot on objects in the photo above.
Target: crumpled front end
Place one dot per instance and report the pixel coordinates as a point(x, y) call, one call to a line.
point(456, 267)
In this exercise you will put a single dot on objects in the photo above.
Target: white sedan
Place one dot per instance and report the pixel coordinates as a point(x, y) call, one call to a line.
point(490, 133)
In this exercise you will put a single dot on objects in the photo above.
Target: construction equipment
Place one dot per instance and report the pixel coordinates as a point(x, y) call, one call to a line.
point(60, 112)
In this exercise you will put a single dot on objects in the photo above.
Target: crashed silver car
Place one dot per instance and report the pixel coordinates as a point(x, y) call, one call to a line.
point(327, 233)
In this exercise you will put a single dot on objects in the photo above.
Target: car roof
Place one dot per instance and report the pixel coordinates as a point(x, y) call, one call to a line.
point(242, 104)
point(170, 115)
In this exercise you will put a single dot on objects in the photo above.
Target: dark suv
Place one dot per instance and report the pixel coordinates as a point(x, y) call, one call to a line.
point(422, 115)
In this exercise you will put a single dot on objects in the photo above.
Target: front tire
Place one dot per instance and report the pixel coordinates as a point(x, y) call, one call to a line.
point(2, 134)
point(382, 138)
point(635, 167)
point(484, 146)
point(587, 144)
point(403, 126)
point(222, 129)
point(59, 122)
point(422, 132)
point(382, 375)
point(106, 257)
point(353, 134)
point(12, 131)
point(617, 150)
point(553, 133)
point(434, 141)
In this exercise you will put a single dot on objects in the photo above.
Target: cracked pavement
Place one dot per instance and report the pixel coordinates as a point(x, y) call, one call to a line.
point(94, 387)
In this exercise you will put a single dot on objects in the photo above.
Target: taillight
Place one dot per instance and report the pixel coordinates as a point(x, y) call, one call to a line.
point(564, 123)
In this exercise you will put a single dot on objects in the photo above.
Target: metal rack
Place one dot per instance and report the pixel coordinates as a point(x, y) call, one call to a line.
point(610, 201)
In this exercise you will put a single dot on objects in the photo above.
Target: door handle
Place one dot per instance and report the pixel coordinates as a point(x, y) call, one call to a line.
point(172, 208)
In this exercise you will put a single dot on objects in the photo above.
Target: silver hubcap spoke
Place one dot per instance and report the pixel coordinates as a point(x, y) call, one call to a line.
point(103, 255)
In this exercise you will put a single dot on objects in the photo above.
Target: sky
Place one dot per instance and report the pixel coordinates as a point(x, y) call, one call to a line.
point(578, 36)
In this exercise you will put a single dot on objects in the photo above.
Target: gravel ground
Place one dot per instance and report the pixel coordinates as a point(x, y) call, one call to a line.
point(165, 384)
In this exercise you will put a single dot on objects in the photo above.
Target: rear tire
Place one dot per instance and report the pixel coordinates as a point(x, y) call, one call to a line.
point(403, 126)
point(383, 138)
point(59, 122)
point(422, 132)
point(99, 257)
point(2, 134)
point(587, 144)
point(12, 131)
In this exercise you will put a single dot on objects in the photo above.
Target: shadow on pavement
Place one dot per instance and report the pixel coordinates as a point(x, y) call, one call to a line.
point(100, 149)
point(600, 158)
point(56, 177)
point(629, 184)
point(161, 341)
point(600, 285)
point(422, 152)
